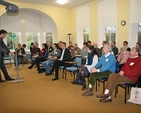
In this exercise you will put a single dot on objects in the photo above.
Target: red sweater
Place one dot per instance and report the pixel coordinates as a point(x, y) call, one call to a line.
point(132, 68)
point(42, 53)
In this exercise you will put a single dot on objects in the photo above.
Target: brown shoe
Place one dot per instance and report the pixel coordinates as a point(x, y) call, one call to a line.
point(103, 96)
point(104, 100)
point(87, 93)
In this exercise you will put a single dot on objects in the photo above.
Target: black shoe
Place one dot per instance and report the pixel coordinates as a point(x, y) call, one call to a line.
point(10, 79)
point(30, 67)
point(2, 80)
point(47, 74)
point(83, 87)
point(55, 79)
point(74, 82)
point(41, 71)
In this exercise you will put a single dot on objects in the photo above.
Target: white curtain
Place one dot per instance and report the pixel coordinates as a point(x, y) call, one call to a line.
point(135, 11)
point(82, 17)
point(11, 22)
point(133, 35)
point(107, 16)
point(31, 20)
point(135, 18)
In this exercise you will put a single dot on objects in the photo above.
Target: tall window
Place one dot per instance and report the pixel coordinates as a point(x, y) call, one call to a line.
point(32, 38)
point(13, 39)
point(86, 35)
point(49, 37)
point(110, 34)
point(139, 33)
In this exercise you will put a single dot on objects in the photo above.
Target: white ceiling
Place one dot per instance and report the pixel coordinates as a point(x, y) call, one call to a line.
point(69, 4)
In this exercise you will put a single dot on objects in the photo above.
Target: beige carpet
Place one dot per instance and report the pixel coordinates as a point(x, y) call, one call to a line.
point(39, 94)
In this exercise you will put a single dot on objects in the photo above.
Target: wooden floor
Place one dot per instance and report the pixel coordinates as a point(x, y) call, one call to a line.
point(39, 94)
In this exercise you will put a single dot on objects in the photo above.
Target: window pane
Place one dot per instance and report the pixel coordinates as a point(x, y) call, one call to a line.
point(31, 38)
point(13, 40)
point(108, 37)
point(110, 33)
point(49, 33)
point(86, 35)
point(113, 36)
point(49, 39)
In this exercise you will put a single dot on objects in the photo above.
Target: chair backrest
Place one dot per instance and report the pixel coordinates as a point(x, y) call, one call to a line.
point(78, 59)
point(117, 66)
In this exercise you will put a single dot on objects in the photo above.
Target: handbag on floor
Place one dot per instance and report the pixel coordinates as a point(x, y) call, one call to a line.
point(135, 96)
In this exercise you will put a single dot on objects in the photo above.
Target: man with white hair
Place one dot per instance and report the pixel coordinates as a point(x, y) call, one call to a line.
point(105, 66)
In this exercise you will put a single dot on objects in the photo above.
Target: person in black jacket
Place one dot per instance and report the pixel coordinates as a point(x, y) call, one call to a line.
point(4, 50)
point(65, 56)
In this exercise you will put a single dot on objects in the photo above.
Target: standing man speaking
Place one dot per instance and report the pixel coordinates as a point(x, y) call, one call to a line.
point(4, 50)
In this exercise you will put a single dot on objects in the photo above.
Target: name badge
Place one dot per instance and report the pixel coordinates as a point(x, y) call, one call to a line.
point(132, 63)
point(75, 51)
point(56, 52)
point(107, 60)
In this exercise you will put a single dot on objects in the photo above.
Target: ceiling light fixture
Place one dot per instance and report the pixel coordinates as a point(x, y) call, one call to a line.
point(61, 1)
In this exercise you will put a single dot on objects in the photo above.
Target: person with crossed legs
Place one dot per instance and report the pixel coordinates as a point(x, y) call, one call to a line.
point(65, 56)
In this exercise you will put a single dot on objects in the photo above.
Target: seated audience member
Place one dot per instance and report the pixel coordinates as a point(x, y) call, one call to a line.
point(140, 53)
point(92, 60)
point(20, 51)
point(35, 52)
point(75, 51)
point(65, 56)
point(51, 58)
point(138, 46)
point(114, 48)
point(31, 47)
point(83, 52)
point(125, 43)
point(129, 73)
point(105, 66)
point(90, 45)
point(70, 47)
point(41, 58)
point(98, 50)
point(123, 57)
point(50, 49)
point(103, 43)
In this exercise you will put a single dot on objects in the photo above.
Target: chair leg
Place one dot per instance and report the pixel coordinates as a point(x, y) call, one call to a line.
point(103, 86)
point(96, 85)
point(65, 75)
point(73, 76)
point(115, 92)
point(10, 62)
point(125, 94)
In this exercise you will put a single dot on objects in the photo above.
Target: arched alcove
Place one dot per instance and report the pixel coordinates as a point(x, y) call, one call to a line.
point(29, 21)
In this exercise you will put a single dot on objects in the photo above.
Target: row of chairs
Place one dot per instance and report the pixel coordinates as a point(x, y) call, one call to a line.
point(77, 63)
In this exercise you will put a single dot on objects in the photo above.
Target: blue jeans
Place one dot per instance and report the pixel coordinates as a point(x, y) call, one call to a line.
point(19, 58)
point(47, 65)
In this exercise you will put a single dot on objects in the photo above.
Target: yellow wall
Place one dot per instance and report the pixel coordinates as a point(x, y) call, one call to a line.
point(123, 7)
point(94, 21)
point(65, 20)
